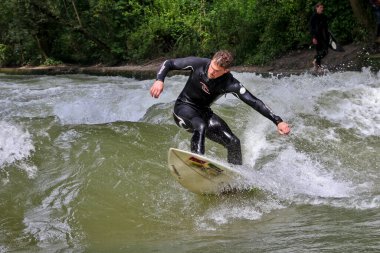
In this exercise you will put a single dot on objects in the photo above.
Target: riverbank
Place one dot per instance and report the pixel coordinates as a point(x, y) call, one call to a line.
point(296, 62)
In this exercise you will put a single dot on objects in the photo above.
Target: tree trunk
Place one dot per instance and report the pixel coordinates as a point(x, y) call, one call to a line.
point(76, 13)
point(363, 15)
point(73, 27)
point(42, 51)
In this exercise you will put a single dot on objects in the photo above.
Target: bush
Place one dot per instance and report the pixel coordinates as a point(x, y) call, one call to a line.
point(51, 62)
point(4, 55)
point(256, 31)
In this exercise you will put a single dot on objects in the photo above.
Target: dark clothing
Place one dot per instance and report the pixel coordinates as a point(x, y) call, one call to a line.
point(207, 124)
point(376, 7)
point(192, 109)
point(319, 30)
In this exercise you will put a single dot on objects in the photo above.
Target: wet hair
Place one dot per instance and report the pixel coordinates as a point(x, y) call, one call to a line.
point(223, 58)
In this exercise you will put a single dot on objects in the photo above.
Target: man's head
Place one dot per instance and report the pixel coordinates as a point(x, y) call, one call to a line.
point(319, 7)
point(220, 64)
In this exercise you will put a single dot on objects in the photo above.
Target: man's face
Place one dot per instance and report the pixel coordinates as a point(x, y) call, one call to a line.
point(215, 71)
point(320, 9)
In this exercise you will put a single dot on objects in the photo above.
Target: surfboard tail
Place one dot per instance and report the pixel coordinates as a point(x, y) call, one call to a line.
point(200, 174)
point(334, 45)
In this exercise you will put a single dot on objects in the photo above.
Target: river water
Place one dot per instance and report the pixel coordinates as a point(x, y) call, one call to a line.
point(83, 167)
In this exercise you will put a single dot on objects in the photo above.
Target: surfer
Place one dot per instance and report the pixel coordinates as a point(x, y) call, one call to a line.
point(209, 79)
point(320, 35)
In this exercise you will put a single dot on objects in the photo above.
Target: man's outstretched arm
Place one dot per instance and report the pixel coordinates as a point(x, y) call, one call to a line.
point(168, 65)
point(259, 106)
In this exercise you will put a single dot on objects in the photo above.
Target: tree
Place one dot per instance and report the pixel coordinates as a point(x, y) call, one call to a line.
point(363, 16)
point(116, 31)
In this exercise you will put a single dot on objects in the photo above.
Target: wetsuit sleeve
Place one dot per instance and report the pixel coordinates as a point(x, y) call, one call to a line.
point(313, 26)
point(242, 93)
point(187, 63)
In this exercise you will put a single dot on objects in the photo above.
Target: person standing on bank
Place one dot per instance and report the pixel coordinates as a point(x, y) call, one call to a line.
point(376, 7)
point(320, 35)
point(210, 79)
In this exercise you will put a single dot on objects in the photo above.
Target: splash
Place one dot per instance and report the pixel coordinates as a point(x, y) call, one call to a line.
point(16, 145)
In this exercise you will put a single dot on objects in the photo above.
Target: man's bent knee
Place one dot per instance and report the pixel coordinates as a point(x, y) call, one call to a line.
point(233, 142)
point(182, 122)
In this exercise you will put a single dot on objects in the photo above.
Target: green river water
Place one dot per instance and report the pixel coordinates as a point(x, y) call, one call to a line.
point(83, 167)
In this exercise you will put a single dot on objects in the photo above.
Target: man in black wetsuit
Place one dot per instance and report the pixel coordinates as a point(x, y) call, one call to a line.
point(376, 7)
point(320, 35)
point(208, 80)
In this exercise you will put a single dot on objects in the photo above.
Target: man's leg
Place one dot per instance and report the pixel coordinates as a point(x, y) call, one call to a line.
point(190, 119)
point(219, 132)
point(322, 50)
point(198, 139)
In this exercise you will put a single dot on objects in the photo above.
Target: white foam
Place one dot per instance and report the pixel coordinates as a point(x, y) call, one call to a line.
point(359, 109)
point(292, 174)
point(31, 170)
point(3, 249)
point(15, 145)
point(229, 210)
point(81, 99)
point(109, 103)
point(99, 105)
point(255, 142)
point(42, 222)
point(225, 213)
point(363, 203)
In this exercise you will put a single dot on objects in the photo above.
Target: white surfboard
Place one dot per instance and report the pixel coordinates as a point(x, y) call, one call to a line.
point(333, 43)
point(199, 174)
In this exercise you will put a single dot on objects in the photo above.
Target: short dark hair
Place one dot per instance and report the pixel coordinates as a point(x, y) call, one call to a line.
point(223, 58)
point(318, 4)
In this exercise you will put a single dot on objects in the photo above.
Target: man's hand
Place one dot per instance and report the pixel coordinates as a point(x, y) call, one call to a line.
point(157, 88)
point(283, 128)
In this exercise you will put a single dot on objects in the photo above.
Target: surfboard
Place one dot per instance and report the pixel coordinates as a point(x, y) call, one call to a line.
point(200, 174)
point(334, 45)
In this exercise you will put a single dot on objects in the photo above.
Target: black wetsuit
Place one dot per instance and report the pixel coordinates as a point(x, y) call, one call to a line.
point(319, 30)
point(376, 7)
point(192, 109)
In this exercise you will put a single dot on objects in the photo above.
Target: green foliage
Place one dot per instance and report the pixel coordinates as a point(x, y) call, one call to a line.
point(51, 62)
point(341, 20)
point(4, 55)
point(174, 27)
point(117, 31)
